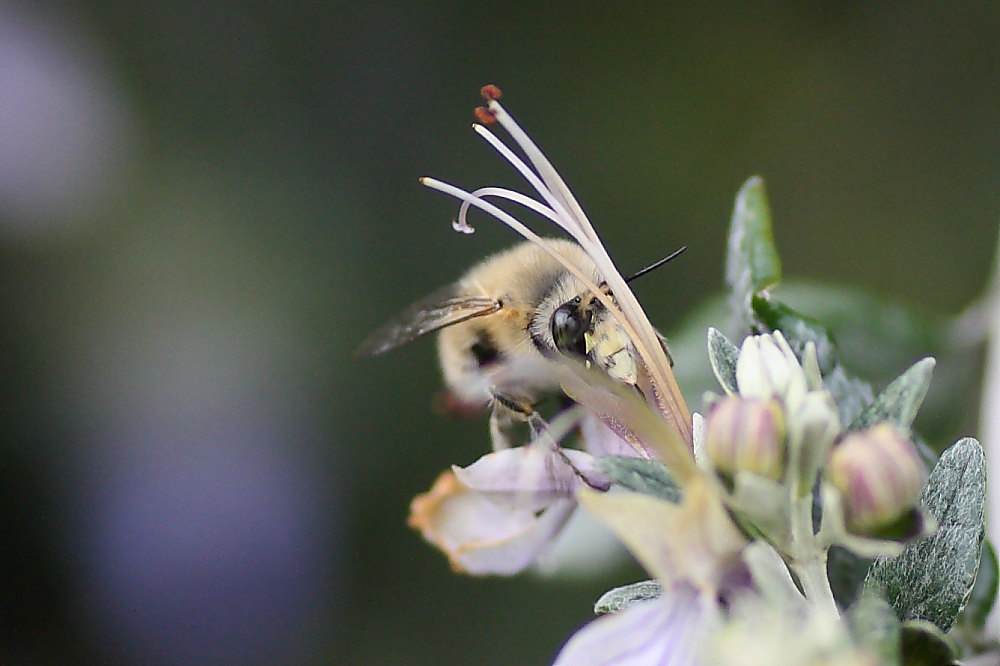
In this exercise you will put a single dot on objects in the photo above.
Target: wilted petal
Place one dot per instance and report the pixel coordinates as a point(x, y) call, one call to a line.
point(477, 535)
point(531, 477)
point(666, 631)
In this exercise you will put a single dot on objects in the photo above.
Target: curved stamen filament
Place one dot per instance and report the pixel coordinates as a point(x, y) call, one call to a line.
point(510, 195)
point(565, 220)
point(519, 227)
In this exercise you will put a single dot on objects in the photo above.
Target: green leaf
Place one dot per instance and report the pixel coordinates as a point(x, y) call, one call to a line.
point(984, 592)
point(899, 402)
point(846, 572)
point(649, 477)
point(621, 598)
point(752, 263)
point(860, 324)
point(722, 354)
point(798, 329)
point(933, 578)
point(923, 644)
point(875, 627)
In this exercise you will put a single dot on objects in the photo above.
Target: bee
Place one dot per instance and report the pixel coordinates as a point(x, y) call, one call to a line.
point(519, 305)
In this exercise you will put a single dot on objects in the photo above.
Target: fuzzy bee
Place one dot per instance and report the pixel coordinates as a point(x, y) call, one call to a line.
point(520, 305)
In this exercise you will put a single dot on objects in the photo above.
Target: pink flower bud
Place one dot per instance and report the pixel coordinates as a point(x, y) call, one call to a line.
point(879, 474)
point(746, 435)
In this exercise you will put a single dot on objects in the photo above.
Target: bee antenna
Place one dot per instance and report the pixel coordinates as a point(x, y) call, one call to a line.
point(656, 264)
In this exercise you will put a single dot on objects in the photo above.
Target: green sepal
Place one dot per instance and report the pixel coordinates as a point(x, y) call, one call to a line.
point(723, 354)
point(924, 644)
point(899, 401)
point(875, 627)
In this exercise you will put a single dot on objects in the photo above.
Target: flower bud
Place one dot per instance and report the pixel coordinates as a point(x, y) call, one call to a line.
point(879, 474)
point(746, 435)
point(767, 368)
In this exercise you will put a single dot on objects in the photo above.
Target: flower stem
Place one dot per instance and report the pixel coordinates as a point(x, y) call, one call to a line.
point(815, 582)
point(808, 556)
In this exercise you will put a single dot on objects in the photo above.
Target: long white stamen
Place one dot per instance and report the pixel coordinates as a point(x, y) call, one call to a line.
point(546, 171)
point(520, 228)
point(504, 193)
point(566, 220)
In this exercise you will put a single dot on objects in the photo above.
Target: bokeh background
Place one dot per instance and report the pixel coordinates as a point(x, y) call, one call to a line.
point(205, 207)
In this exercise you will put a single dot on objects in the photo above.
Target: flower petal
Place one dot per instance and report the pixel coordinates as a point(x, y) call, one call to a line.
point(600, 440)
point(667, 631)
point(531, 477)
point(694, 541)
point(480, 537)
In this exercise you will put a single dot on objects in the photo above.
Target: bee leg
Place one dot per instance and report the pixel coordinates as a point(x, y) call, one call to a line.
point(505, 411)
point(500, 421)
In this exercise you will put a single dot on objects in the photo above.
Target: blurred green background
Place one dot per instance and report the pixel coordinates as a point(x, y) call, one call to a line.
point(205, 207)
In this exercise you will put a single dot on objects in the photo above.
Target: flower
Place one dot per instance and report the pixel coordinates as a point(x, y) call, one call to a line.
point(769, 374)
point(758, 633)
point(498, 515)
point(667, 631)
point(693, 550)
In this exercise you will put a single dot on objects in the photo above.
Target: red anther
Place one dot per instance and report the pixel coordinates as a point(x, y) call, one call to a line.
point(490, 92)
point(484, 115)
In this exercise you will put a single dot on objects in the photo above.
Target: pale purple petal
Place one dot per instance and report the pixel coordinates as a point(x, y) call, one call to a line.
point(477, 535)
point(667, 631)
point(531, 477)
point(601, 440)
point(513, 554)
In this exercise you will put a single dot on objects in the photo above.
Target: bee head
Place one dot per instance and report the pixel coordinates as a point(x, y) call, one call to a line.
point(570, 324)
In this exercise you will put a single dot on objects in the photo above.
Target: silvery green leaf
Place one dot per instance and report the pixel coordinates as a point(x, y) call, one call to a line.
point(722, 354)
point(899, 402)
point(933, 578)
point(984, 592)
point(752, 263)
point(622, 597)
point(648, 477)
point(875, 627)
point(924, 644)
point(850, 393)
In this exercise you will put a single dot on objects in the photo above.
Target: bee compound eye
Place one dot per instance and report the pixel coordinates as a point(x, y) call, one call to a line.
point(569, 328)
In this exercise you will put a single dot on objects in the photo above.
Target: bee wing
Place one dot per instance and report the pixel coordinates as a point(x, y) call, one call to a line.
point(440, 309)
